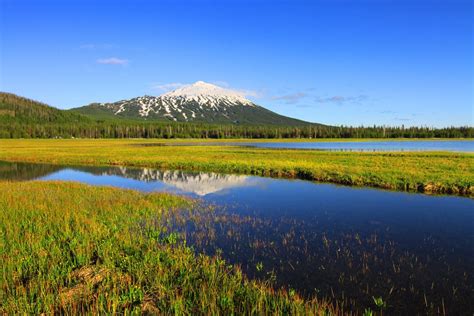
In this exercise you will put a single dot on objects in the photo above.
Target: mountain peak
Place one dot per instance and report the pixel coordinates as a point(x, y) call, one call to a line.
point(201, 90)
point(196, 102)
point(202, 83)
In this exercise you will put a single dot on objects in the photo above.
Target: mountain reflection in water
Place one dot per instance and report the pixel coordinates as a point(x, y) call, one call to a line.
point(414, 250)
point(199, 183)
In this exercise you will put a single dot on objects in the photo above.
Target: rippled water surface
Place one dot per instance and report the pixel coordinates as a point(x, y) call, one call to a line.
point(416, 251)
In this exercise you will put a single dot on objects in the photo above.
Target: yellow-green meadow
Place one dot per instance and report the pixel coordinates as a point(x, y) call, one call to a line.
point(429, 172)
point(72, 248)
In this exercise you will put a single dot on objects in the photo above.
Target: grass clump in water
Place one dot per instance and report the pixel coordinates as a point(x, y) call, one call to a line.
point(72, 248)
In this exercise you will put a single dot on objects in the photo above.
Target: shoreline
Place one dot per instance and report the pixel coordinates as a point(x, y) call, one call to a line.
point(449, 173)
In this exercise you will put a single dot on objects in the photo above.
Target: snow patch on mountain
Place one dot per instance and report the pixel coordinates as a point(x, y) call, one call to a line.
point(185, 102)
point(206, 94)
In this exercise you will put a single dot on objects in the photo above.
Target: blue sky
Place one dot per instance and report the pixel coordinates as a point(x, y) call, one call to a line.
point(334, 62)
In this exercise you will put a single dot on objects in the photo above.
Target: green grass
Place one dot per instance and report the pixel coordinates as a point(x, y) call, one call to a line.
point(429, 172)
point(72, 248)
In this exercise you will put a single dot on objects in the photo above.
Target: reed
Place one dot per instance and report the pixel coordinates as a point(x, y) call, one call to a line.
point(72, 248)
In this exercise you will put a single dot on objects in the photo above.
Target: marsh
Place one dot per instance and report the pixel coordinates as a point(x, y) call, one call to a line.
point(341, 243)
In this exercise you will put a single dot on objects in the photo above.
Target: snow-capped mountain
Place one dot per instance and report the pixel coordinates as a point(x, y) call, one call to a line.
point(197, 102)
point(206, 94)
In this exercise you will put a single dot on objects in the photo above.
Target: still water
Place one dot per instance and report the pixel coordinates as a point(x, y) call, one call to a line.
point(416, 251)
point(419, 145)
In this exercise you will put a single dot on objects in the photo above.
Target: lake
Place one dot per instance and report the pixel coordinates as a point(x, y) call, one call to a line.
point(414, 250)
point(418, 145)
point(392, 145)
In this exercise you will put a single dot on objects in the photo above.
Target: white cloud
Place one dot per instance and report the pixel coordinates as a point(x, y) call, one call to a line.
point(167, 86)
point(250, 93)
point(219, 83)
point(342, 99)
point(112, 61)
point(290, 98)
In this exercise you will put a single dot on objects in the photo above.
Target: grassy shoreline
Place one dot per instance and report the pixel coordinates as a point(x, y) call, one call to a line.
point(277, 140)
point(427, 172)
point(72, 248)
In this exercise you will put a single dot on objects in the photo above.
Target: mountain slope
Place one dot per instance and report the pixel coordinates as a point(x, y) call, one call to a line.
point(199, 102)
point(16, 109)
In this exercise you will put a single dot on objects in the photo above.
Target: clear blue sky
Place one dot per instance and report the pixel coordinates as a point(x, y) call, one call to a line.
point(334, 62)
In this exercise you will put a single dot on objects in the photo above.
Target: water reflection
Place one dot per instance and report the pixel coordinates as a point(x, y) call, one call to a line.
point(199, 183)
point(348, 264)
point(25, 171)
point(146, 179)
point(350, 244)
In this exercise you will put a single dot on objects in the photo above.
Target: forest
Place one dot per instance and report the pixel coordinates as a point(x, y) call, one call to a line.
point(195, 130)
point(24, 118)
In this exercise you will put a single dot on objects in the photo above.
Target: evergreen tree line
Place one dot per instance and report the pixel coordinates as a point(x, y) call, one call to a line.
point(201, 130)
point(18, 109)
point(25, 118)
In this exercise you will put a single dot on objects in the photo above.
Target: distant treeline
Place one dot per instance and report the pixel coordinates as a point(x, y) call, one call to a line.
point(24, 118)
point(201, 130)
